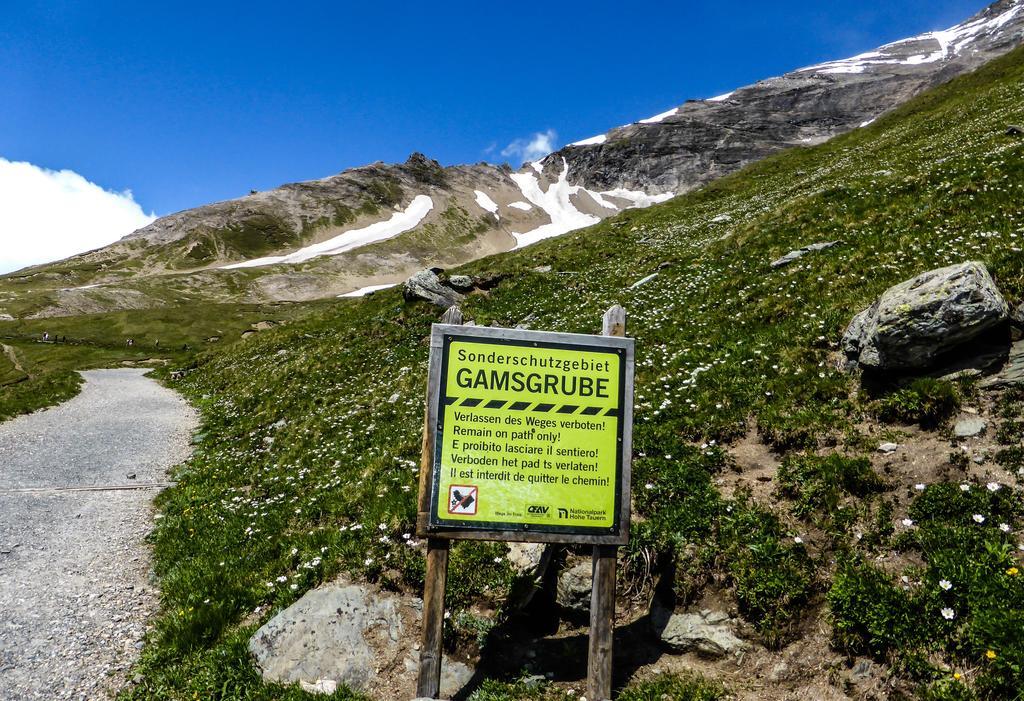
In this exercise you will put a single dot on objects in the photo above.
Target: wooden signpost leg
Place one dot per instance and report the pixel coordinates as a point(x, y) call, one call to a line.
point(602, 595)
point(429, 683)
point(602, 624)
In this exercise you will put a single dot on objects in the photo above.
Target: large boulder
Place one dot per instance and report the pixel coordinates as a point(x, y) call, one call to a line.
point(707, 632)
point(917, 320)
point(348, 634)
point(427, 285)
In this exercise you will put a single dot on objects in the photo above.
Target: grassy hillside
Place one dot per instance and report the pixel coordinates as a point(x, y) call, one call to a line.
point(306, 465)
point(35, 374)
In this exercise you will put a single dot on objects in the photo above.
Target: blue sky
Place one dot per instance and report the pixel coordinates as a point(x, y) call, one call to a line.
point(190, 102)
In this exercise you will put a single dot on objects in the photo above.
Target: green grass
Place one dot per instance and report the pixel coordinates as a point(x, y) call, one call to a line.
point(664, 687)
point(174, 334)
point(965, 535)
point(306, 468)
point(925, 401)
point(818, 484)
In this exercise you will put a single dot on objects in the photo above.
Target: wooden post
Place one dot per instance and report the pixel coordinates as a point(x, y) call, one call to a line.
point(602, 595)
point(428, 684)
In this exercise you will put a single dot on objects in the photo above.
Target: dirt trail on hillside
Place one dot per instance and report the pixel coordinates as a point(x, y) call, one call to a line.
point(75, 586)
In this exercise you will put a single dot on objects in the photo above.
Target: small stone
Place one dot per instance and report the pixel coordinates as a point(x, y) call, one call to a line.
point(394, 398)
point(426, 285)
point(461, 282)
point(534, 681)
point(801, 252)
point(970, 427)
point(574, 588)
point(888, 448)
point(862, 671)
point(1012, 372)
point(130, 475)
point(320, 686)
point(643, 281)
point(709, 634)
point(779, 673)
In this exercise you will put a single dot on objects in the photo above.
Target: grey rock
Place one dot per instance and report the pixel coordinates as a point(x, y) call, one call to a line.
point(320, 686)
point(462, 283)
point(342, 634)
point(801, 252)
point(862, 671)
point(324, 636)
point(574, 588)
point(528, 558)
point(970, 427)
point(917, 320)
point(1017, 315)
point(455, 676)
point(1014, 130)
point(706, 632)
point(965, 374)
point(721, 219)
point(780, 672)
point(535, 681)
point(643, 281)
point(887, 448)
point(426, 285)
point(1012, 372)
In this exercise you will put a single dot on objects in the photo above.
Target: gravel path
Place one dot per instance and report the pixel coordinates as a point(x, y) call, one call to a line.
point(75, 585)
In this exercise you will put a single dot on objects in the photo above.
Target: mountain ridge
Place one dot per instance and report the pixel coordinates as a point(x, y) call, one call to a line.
point(263, 247)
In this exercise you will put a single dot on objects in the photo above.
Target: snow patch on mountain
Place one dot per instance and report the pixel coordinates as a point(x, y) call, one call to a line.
point(948, 44)
point(556, 202)
point(659, 117)
point(363, 291)
point(399, 223)
point(638, 198)
point(525, 206)
point(486, 203)
point(596, 196)
point(591, 141)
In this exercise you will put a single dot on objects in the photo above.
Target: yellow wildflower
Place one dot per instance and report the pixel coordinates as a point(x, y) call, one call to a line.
point(1012, 571)
point(991, 654)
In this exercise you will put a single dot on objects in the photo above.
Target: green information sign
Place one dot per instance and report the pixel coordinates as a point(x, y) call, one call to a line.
point(531, 434)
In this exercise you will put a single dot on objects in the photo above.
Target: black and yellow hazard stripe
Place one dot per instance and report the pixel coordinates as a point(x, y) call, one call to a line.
point(539, 407)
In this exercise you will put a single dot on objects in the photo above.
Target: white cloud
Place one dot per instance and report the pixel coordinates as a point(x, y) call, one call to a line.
point(47, 215)
point(532, 147)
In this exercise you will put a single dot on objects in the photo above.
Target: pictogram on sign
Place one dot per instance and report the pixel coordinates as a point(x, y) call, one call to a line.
point(463, 499)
